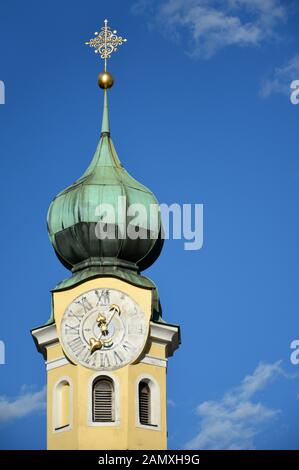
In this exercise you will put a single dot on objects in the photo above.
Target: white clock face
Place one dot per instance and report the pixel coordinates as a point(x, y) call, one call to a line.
point(103, 329)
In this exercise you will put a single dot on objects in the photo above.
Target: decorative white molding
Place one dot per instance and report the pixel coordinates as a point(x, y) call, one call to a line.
point(154, 361)
point(155, 404)
point(116, 395)
point(54, 363)
point(167, 335)
point(44, 337)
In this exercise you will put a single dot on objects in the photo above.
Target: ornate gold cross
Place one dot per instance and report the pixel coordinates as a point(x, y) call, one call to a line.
point(105, 42)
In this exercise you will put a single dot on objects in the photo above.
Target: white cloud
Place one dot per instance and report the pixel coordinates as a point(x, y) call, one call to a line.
point(26, 403)
point(281, 78)
point(214, 24)
point(234, 421)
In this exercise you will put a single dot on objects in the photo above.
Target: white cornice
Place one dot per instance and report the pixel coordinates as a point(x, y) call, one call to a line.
point(44, 337)
point(168, 335)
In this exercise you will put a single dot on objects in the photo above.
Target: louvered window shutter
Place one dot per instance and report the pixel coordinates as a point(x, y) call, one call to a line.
point(103, 401)
point(144, 404)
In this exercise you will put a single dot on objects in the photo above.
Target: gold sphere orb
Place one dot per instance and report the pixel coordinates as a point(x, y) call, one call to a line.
point(105, 80)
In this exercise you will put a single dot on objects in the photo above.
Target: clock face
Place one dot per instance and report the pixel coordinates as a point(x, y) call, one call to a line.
point(103, 329)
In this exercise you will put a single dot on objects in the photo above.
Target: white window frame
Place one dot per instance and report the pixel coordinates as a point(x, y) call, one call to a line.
point(155, 403)
point(56, 429)
point(116, 395)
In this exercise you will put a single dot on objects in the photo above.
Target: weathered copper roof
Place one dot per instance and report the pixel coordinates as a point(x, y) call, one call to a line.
point(73, 214)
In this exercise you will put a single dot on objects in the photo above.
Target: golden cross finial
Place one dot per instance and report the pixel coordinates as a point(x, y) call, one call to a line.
point(105, 42)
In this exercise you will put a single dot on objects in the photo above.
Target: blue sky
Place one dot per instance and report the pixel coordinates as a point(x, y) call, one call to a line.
point(200, 113)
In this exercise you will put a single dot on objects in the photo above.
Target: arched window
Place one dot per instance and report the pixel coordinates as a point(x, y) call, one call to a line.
point(144, 394)
point(148, 402)
point(103, 408)
point(62, 405)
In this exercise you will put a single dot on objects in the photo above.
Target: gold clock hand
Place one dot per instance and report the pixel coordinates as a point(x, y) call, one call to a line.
point(102, 320)
point(104, 324)
point(114, 309)
point(96, 343)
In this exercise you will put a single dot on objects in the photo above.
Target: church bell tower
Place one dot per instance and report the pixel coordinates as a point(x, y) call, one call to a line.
point(105, 344)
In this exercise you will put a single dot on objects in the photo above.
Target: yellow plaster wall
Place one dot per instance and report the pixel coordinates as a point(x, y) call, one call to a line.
point(125, 435)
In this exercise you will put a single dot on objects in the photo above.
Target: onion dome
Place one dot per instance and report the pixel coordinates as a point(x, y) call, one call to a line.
point(91, 222)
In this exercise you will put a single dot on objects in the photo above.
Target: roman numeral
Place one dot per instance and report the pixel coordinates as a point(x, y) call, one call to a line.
point(76, 346)
point(117, 358)
point(104, 360)
point(103, 296)
point(85, 304)
point(71, 330)
point(97, 293)
point(128, 346)
point(86, 357)
point(134, 312)
point(92, 359)
point(75, 315)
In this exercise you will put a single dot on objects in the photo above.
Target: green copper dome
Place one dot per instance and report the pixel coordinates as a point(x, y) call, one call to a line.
point(98, 203)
